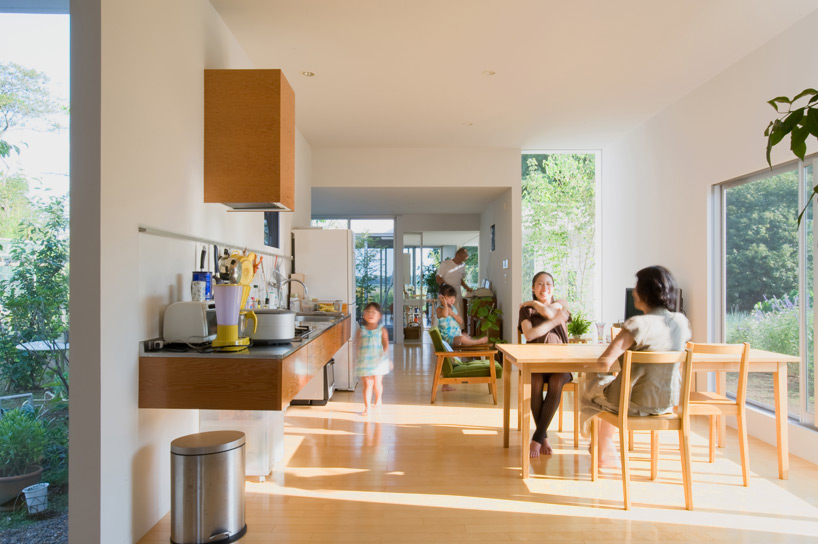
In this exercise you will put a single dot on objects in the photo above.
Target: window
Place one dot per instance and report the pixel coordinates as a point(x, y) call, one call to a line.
point(559, 225)
point(768, 278)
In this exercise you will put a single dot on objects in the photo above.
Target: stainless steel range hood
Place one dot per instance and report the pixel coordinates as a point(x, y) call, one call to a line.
point(256, 207)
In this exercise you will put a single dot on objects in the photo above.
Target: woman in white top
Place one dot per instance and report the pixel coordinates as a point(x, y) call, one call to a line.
point(654, 388)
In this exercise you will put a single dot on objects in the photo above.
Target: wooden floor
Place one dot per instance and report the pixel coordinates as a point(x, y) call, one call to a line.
point(414, 472)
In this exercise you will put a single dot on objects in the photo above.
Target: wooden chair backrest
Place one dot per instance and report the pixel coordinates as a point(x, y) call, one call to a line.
point(656, 357)
point(615, 331)
point(740, 351)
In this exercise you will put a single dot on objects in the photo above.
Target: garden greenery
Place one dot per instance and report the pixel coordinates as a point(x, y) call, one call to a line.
point(558, 215)
point(34, 305)
point(22, 442)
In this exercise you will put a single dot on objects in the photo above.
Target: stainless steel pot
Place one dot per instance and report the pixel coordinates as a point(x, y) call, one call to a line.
point(274, 326)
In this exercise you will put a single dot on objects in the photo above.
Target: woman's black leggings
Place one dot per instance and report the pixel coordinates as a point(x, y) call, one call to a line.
point(544, 410)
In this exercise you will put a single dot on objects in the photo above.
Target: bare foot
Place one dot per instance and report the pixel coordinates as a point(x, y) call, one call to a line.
point(447, 387)
point(546, 448)
point(534, 449)
point(609, 459)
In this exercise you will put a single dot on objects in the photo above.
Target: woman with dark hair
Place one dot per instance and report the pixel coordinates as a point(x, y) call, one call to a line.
point(542, 320)
point(654, 388)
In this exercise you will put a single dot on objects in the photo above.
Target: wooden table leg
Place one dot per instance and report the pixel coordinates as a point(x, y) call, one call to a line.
point(577, 396)
point(721, 388)
point(781, 416)
point(524, 432)
point(506, 397)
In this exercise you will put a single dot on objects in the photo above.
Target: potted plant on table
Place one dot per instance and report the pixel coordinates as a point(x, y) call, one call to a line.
point(22, 446)
point(577, 327)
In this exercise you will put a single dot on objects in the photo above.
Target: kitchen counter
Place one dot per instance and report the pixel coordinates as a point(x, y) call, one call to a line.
point(260, 378)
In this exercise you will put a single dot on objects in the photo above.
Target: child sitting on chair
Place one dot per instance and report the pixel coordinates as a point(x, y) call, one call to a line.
point(450, 323)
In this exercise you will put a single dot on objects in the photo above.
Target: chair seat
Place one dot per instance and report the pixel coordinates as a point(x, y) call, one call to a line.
point(709, 396)
point(662, 422)
point(475, 369)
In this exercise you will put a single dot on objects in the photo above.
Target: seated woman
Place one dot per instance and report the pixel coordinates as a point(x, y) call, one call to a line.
point(450, 323)
point(542, 320)
point(654, 388)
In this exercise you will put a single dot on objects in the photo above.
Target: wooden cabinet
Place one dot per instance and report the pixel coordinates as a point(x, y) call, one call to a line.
point(249, 139)
point(250, 381)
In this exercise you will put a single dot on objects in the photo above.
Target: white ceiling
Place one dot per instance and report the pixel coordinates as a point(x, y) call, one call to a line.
point(569, 74)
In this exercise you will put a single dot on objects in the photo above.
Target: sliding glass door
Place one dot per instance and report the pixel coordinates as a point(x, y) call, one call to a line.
point(768, 279)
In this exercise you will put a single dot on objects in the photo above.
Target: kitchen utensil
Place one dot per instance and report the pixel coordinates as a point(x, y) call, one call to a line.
point(198, 290)
point(274, 327)
point(228, 297)
point(230, 267)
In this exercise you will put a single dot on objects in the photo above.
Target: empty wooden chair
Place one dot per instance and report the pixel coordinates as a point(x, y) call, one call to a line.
point(678, 421)
point(712, 404)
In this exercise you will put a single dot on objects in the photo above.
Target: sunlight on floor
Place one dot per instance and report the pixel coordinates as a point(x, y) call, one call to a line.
point(415, 472)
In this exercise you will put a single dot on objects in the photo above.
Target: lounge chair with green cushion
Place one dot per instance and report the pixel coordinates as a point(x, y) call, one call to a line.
point(450, 369)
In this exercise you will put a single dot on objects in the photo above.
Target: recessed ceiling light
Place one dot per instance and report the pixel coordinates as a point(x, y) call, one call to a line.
point(489, 72)
point(308, 74)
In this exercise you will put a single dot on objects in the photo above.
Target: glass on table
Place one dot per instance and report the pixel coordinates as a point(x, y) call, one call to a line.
point(600, 332)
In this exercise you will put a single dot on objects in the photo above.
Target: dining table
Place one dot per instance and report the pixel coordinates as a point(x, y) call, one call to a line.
point(582, 359)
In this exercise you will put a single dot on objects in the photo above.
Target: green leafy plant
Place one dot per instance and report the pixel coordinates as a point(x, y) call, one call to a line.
point(799, 122)
point(578, 325)
point(488, 315)
point(22, 442)
point(34, 304)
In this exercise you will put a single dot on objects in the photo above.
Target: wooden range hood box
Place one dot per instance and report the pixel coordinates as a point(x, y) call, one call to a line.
point(249, 140)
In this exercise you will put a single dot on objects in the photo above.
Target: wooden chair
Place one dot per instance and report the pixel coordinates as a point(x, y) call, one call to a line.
point(450, 369)
point(712, 404)
point(678, 421)
point(614, 331)
point(568, 388)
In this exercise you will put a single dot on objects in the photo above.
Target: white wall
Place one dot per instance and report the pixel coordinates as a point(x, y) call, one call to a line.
point(657, 179)
point(504, 214)
point(414, 167)
point(153, 54)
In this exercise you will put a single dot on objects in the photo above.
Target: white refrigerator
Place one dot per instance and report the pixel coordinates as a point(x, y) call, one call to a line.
point(327, 260)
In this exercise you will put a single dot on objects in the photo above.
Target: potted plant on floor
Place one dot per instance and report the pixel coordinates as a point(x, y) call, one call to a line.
point(488, 315)
point(577, 328)
point(22, 445)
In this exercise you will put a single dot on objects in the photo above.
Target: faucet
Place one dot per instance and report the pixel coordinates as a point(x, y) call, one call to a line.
point(281, 285)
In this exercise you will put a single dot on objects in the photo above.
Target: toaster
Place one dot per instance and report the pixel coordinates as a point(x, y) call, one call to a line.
point(189, 323)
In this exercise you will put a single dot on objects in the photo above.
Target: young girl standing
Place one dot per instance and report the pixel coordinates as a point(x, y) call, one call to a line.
point(372, 363)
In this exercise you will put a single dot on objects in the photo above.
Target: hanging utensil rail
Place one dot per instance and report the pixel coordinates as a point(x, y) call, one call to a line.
point(177, 236)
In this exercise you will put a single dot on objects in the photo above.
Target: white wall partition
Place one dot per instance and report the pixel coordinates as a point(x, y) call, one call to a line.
point(141, 163)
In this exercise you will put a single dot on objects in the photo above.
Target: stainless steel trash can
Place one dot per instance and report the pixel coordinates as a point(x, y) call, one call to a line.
point(207, 488)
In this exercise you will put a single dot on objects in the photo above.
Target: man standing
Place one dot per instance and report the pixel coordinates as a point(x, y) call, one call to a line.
point(452, 272)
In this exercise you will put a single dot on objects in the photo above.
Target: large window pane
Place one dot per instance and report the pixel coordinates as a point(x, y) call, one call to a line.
point(761, 261)
point(558, 222)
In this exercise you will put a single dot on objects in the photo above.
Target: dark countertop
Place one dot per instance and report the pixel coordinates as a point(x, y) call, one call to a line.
point(252, 352)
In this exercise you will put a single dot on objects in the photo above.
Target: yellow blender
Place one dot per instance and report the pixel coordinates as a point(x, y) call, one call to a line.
point(230, 299)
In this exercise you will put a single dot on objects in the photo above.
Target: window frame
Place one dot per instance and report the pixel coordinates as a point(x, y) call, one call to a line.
point(717, 275)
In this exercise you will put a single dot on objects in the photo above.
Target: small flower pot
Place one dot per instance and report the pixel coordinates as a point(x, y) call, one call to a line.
point(36, 497)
